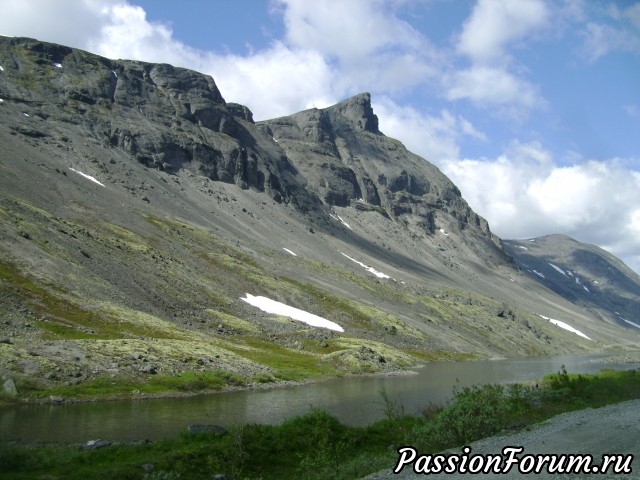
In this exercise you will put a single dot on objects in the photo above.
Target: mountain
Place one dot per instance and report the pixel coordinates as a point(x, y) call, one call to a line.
point(586, 274)
point(148, 227)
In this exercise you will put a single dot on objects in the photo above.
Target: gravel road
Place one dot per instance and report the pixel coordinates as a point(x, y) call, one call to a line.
point(609, 430)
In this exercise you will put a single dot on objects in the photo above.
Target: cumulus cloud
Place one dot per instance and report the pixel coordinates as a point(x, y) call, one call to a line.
point(488, 86)
point(365, 42)
point(525, 192)
point(493, 29)
point(348, 30)
point(434, 137)
point(126, 33)
point(69, 23)
point(494, 24)
point(275, 82)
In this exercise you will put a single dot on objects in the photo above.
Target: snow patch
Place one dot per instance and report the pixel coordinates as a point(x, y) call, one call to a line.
point(57, 65)
point(1, 69)
point(274, 139)
point(88, 177)
point(289, 251)
point(1, 100)
point(443, 232)
point(566, 326)
point(558, 269)
point(630, 322)
point(368, 268)
point(538, 273)
point(25, 114)
point(114, 73)
point(586, 289)
point(339, 218)
point(271, 306)
point(523, 247)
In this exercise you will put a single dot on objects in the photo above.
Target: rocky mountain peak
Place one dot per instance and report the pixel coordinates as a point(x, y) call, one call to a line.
point(358, 111)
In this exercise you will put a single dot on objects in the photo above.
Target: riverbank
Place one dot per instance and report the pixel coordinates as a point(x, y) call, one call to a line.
point(317, 446)
point(190, 385)
point(353, 400)
point(197, 383)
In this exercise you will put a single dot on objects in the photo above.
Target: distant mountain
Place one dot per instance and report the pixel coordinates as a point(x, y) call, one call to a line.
point(585, 274)
point(149, 227)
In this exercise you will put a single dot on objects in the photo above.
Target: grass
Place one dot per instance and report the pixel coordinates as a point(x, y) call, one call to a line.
point(316, 445)
point(125, 385)
point(287, 364)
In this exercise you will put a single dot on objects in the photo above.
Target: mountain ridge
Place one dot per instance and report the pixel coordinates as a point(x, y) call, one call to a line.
point(139, 207)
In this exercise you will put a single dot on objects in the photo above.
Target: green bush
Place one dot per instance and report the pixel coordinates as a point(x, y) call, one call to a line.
point(475, 412)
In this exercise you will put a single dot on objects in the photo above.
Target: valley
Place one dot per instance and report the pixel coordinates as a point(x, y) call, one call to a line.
point(138, 209)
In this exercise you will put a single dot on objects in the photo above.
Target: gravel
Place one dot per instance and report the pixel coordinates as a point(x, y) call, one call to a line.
point(614, 429)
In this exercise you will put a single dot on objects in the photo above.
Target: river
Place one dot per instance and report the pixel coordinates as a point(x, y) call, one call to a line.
point(354, 400)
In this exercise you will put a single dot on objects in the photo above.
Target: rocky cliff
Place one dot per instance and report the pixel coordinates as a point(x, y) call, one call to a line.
point(350, 163)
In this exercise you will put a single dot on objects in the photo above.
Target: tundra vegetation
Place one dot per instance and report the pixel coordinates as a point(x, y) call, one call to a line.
point(316, 445)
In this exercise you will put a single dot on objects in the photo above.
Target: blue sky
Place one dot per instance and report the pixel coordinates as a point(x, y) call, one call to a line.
point(531, 107)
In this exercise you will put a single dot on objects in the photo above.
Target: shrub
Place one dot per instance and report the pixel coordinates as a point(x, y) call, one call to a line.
point(474, 413)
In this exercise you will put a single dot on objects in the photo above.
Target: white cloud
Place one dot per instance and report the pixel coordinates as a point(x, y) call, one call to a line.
point(367, 45)
point(68, 23)
point(275, 82)
point(494, 28)
point(496, 24)
point(601, 39)
point(488, 86)
point(353, 29)
point(127, 33)
point(524, 193)
point(617, 30)
point(433, 137)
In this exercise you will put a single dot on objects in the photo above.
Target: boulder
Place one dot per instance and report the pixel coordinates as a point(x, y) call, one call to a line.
point(9, 388)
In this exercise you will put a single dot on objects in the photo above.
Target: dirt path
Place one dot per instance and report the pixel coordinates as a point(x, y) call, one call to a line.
point(609, 430)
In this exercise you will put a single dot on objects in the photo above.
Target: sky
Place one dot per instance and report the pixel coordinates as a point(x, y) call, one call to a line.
point(531, 107)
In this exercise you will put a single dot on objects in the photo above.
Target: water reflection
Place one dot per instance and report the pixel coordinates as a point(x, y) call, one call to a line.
point(354, 400)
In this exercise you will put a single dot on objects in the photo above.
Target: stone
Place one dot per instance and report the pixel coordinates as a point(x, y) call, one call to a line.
point(150, 369)
point(9, 388)
point(55, 399)
point(95, 444)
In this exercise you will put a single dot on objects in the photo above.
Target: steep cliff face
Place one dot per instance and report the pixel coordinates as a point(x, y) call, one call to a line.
point(347, 161)
point(170, 119)
point(164, 117)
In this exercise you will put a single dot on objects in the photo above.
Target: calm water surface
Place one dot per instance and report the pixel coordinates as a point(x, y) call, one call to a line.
point(354, 400)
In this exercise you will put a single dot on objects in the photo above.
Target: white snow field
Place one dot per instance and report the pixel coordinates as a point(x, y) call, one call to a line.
point(271, 306)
